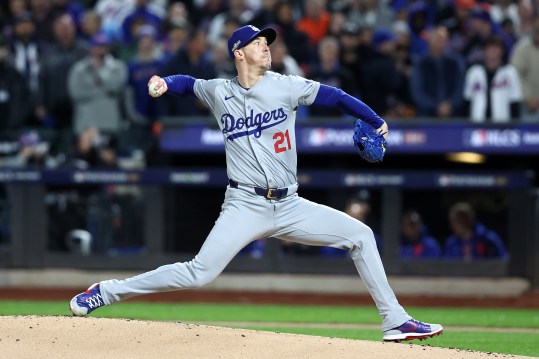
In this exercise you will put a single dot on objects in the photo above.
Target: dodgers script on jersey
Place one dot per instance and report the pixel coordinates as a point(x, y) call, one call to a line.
point(259, 140)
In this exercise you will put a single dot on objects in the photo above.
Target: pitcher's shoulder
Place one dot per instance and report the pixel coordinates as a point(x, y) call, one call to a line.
point(212, 83)
point(277, 76)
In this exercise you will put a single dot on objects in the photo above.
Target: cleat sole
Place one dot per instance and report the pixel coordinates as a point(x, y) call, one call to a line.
point(414, 337)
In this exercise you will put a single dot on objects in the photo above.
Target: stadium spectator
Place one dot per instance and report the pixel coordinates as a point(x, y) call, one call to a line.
point(418, 23)
point(371, 13)
point(437, 79)
point(330, 72)
point(44, 19)
point(508, 31)
point(31, 151)
point(14, 9)
point(113, 13)
point(381, 78)
point(55, 108)
point(27, 52)
point(237, 9)
point(141, 14)
point(96, 85)
point(177, 12)
point(315, 21)
point(416, 242)
point(90, 25)
point(505, 9)
point(147, 61)
point(526, 17)
point(471, 239)
point(93, 150)
point(71, 7)
point(403, 104)
point(350, 56)
point(336, 23)
point(492, 89)
point(296, 41)
point(14, 93)
point(265, 15)
point(481, 28)
point(282, 62)
point(193, 59)
point(221, 61)
point(205, 11)
point(176, 36)
point(457, 20)
point(525, 59)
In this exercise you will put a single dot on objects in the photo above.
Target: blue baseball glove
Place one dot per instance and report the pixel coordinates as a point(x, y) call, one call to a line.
point(370, 144)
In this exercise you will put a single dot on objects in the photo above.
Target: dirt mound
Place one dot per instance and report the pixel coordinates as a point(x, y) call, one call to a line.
point(70, 337)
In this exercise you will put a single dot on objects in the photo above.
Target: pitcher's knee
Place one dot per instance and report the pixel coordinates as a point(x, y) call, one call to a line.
point(201, 278)
point(364, 238)
point(191, 275)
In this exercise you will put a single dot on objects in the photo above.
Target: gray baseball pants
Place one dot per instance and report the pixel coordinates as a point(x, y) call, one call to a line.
point(245, 217)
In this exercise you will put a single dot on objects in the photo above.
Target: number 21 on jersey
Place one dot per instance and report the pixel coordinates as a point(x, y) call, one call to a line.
point(280, 138)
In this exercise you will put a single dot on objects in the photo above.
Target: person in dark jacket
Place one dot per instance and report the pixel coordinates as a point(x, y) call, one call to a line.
point(381, 79)
point(141, 14)
point(416, 242)
point(437, 79)
point(471, 239)
point(27, 52)
point(296, 41)
point(55, 108)
point(194, 59)
point(330, 71)
point(14, 93)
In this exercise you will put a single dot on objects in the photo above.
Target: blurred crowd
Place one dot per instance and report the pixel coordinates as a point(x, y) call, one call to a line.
point(79, 69)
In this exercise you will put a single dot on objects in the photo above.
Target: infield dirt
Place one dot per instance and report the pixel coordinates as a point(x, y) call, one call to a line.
point(70, 337)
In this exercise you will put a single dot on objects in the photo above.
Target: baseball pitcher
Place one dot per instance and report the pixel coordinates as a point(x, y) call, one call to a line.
point(256, 112)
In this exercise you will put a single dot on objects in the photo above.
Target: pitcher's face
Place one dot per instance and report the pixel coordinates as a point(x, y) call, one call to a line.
point(257, 53)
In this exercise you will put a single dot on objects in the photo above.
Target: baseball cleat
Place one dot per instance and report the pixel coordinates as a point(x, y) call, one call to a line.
point(413, 329)
point(84, 303)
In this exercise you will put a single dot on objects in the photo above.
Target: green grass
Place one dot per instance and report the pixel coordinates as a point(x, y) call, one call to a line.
point(502, 342)
point(502, 318)
point(507, 343)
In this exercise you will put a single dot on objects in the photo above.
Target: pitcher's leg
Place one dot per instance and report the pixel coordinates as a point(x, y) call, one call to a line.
point(225, 240)
point(310, 223)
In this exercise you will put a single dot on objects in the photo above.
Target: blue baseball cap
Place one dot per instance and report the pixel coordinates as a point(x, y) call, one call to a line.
point(382, 35)
point(246, 34)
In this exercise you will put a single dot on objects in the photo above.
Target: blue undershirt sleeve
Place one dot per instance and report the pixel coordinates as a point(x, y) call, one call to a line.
point(332, 96)
point(180, 85)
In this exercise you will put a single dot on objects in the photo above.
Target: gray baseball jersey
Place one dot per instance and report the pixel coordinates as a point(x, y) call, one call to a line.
point(258, 125)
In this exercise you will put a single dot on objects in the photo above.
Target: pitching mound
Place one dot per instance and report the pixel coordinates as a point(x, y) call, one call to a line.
point(70, 337)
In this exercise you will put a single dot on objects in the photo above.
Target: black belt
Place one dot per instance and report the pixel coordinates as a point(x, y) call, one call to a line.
point(269, 193)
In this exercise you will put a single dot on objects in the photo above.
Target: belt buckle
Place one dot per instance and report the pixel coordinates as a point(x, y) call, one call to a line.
point(270, 195)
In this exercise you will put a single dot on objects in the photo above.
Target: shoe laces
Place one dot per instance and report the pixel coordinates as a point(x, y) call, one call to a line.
point(94, 300)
